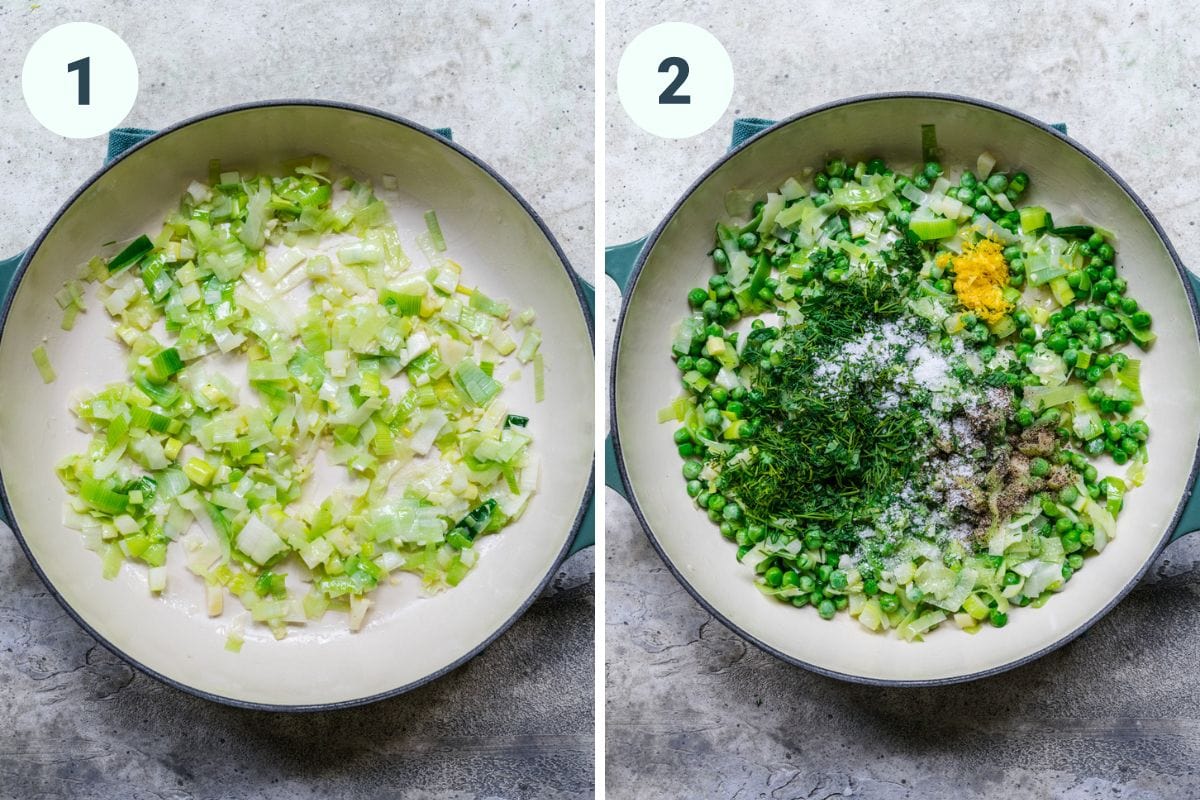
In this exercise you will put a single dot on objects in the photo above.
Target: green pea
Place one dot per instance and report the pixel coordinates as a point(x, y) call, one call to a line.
point(774, 577)
point(791, 579)
point(838, 579)
point(1039, 467)
point(747, 240)
point(720, 258)
point(826, 609)
point(705, 366)
point(932, 170)
point(694, 487)
point(807, 584)
point(717, 503)
point(998, 618)
point(1141, 320)
point(1011, 578)
point(692, 469)
point(889, 602)
point(1057, 342)
point(697, 297)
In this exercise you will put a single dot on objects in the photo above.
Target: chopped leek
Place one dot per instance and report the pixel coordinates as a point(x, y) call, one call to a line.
point(380, 369)
point(132, 253)
point(42, 360)
point(435, 231)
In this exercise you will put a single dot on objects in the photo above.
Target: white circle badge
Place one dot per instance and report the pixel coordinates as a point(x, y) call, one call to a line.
point(675, 80)
point(80, 80)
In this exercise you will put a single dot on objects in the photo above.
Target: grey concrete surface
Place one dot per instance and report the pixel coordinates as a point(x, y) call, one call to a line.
point(514, 80)
point(691, 710)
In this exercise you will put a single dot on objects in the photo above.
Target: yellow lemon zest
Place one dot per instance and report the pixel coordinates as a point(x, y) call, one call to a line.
point(980, 275)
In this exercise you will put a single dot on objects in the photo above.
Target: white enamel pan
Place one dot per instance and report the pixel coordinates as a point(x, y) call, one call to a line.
point(408, 639)
point(1076, 185)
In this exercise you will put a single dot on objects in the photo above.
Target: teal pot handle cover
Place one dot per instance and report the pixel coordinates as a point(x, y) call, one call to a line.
point(121, 139)
point(1189, 520)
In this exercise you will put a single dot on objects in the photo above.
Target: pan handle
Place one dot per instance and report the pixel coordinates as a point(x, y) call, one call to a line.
point(1189, 520)
point(619, 262)
point(586, 535)
point(8, 273)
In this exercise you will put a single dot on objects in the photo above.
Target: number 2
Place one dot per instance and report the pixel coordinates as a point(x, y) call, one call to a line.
point(84, 67)
point(668, 96)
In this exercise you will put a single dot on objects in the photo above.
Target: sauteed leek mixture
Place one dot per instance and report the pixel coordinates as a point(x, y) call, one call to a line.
point(933, 413)
point(355, 358)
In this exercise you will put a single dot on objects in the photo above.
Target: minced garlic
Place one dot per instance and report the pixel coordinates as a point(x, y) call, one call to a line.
point(980, 276)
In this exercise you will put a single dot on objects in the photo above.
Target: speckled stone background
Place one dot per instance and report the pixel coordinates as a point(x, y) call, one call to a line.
point(691, 710)
point(514, 80)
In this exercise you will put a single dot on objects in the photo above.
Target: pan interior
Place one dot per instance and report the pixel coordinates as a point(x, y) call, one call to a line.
point(407, 636)
point(1075, 188)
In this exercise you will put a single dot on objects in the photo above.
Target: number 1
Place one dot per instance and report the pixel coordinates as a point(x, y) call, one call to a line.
point(84, 67)
point(668, 96)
